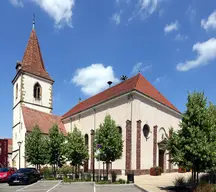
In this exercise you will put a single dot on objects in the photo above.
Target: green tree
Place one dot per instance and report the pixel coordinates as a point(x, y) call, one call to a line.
point(108, 136)
point(56, 147)
point(76, 150)
point(192, 146)
point(35, 147)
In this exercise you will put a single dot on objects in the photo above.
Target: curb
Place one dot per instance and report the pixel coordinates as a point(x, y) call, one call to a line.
point(66, 183)
point(112, 185)
point(140, 188)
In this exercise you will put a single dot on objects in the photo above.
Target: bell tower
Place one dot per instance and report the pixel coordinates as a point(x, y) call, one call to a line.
point(32, 87)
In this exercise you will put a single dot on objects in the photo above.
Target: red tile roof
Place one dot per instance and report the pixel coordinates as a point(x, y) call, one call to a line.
point(44, 120)
point(32, 61)
point(138, 83)
point(9, 141)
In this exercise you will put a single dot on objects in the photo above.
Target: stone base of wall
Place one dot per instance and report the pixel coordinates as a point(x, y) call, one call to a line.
point(135, 171)
point(171, 171)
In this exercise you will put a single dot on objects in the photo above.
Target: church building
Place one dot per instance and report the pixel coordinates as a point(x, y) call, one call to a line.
point(142, 113)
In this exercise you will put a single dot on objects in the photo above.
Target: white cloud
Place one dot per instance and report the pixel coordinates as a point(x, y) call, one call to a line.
point(140, 68)
point(159, 79)
point(144, 8)
point(117, 18)
point(16, 3)
point(122, 1)
point(93, 79)
point(210, 23)
point(191, 12)
point(180, 37)
point(61, 11)
point(206, 52)
point(171, 27)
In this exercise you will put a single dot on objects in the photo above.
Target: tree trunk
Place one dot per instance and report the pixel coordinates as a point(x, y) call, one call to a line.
point(192, 176)
point(197, 177)
point(54, 170)
point(107, 169)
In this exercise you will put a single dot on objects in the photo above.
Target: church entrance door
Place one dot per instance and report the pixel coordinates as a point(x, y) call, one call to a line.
point(161, 159)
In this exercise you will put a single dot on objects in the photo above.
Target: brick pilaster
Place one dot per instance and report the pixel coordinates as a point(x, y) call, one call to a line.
point(128, 145)
point(155, 145)
point(92, 148)
point(138, 144)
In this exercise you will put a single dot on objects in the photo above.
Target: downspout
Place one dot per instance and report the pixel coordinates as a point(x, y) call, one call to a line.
point(70, 124)
point(93, 146)
point(131, 118)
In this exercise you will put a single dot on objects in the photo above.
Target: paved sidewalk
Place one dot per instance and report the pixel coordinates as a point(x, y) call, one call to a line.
point(157, 183)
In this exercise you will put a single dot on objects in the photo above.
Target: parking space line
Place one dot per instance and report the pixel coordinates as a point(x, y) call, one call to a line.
point(94, 187)
point(54, 186)
point(26, 187)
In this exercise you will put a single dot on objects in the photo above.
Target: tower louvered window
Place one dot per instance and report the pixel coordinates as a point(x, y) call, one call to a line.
point(37, 91)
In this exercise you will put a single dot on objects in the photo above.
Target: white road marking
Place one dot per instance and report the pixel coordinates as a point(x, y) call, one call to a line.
point(27, 186)
point(54, 186)
point(94, 187)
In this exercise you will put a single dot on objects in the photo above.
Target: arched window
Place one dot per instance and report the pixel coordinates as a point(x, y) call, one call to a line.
point(86, 139)
point(146, 131)
point(37, 91)
point(16, 90)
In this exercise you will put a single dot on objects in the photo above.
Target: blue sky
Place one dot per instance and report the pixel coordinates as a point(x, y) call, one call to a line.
point(85, 42)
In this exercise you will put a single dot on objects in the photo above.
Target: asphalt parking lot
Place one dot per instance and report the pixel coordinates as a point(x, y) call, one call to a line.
point(58, 186)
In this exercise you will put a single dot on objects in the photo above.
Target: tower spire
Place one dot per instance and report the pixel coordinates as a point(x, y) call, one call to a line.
point(33, 21)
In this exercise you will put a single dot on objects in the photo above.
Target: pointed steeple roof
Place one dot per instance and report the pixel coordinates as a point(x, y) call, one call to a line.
point(32, 61)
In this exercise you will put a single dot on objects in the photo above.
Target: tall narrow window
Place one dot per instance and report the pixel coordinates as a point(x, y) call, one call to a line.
point(37, 91)
point(16, 91)
point(86, 139)
point(119, 130)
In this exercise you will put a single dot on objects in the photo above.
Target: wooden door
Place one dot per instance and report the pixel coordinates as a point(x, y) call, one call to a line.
point(161, 160)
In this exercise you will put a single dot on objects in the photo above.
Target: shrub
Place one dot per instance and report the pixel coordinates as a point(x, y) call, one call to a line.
point(67, 180)
point(46, 172)
point(86, 176)
point(103, 182)
point(114, 176)
point(66, 169)
point(155, 171)
point(180, 182)
point(121, 181)
point(204, 178)
point(205, 188)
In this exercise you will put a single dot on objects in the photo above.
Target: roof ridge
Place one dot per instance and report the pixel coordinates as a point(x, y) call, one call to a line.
point(138, 77)
point(105, 90)
point(126, 83)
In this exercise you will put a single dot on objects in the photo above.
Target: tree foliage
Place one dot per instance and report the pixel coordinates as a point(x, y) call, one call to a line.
point(76, 150)
point(110, 139)
point(56, 147)
point(193, 145)
point(35, 147)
